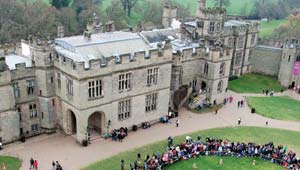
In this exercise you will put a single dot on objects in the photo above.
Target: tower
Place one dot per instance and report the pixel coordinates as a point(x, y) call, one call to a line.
point(289, 65)
point(200, 8)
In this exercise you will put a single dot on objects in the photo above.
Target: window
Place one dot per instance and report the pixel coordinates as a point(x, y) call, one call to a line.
point(253, 39)
point(51, 79)
point(95, 89)
point(241, 42)
point(69, 87)
point(124, 109)
point(298, 58)
point(53, 102)
point(32, 110)
point(238, 58)
point(194, 83)
point(34, 127)
point(151, 102)
point(206, 69)
point(211, 26)
point(222, 69)
point(16, 90)
point(125, 81)
point(152, 76)
point(289, 59)
point(58, 81)
point(30, 84)
point(220, 86)
point(19, 113)
point(42, 115)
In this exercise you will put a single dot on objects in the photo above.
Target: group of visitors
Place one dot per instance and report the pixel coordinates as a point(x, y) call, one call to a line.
point(120, 134)
point(56, 166)
point(268, 92)
point(241, 103)
point(33, 164)
point(218, 147)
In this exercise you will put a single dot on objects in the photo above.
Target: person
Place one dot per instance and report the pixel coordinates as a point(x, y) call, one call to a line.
point(239, 121)
point(58, 166)
point(239, 103)
point(31, 163)
point(267, 123)
point(242, 103)
point(170, 141)
point(267, 92)
point(122, 165)
point(1, 147)
point(35, 164)
point(177, 122)
point(216, 109)
point(53, 165)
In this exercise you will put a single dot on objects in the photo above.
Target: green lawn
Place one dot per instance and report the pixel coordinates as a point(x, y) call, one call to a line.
point(282, 108)
point(10, 162)
point(254, 83)
point(267, 28)
point(229, 163)
point(246, 134)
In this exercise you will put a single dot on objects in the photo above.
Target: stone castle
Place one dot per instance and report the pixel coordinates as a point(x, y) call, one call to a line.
point(106, 79)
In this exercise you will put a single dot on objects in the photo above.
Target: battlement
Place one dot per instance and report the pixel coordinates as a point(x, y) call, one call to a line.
point(105, 62)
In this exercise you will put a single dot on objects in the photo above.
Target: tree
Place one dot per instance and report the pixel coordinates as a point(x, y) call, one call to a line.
point(58, 4)
point(222, 3)
point(115, 13)
point(244, 9)
point(128, 5)
point(153, 12)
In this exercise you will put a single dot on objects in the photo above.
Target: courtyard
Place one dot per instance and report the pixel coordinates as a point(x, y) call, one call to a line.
point(72, 156)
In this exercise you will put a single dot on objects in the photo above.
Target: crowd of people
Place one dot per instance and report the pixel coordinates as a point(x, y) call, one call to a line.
point(120, 134)
point(218, 147)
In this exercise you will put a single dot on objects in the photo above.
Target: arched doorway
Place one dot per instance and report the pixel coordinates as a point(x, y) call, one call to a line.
point(95, 124)
point(293, 84)
point(72, 124)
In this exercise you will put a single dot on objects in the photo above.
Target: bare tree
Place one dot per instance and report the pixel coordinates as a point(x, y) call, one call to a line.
point(128, 5)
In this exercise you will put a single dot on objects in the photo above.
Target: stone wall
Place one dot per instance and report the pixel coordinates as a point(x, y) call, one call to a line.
point(266, 60)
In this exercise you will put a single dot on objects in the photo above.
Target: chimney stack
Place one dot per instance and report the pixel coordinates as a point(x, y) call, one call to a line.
point(60, 32)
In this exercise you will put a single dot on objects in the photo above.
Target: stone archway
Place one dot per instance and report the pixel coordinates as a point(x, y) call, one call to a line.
point(96, 123)
point(72, 122)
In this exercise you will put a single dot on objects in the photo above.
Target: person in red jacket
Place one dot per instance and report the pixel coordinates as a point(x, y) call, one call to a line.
point(35, 164)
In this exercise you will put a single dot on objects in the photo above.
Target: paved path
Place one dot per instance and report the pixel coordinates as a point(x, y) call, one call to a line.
point(73, 157)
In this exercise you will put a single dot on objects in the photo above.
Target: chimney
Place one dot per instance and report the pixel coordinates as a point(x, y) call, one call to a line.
point(60, 32)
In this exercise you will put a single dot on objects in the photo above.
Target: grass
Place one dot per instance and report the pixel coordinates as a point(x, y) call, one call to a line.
point(229, 163)
point(11, 163)
point(282, 108)
point(267, 28)
point(254, 83)
point(241, 134)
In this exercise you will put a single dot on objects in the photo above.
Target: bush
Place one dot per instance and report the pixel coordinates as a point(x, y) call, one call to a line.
point(134, 128)
point(84, 143)
point(233, 78)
